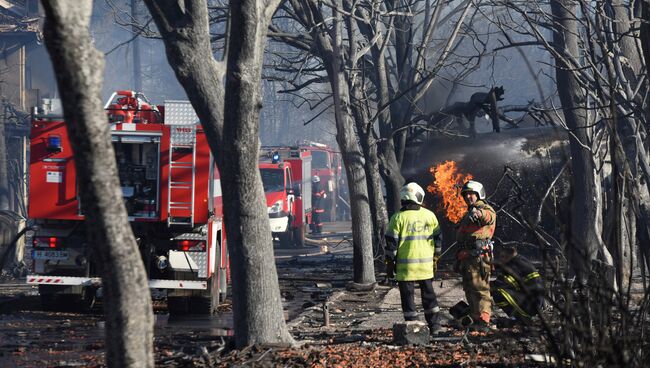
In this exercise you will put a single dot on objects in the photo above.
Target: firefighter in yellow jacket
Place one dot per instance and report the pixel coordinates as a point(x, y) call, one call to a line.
point(474, 256)
point(413, 238)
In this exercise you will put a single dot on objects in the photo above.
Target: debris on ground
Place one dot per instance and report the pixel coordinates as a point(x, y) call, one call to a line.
point(333, 326)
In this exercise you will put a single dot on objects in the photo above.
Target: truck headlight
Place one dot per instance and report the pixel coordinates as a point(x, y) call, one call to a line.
point(275, 208)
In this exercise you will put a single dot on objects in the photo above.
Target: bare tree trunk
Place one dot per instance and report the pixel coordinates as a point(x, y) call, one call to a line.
point(4, 175)
point(367, 138)
point(403, 35)
point(233, 136)
point(369, 145)
point(645, 34)
point(79, 67)
point(623, 228)
point(364, 268)
point(623, 41)
point(252, 251)
point(393, 179)
point(627, 29)
point(586, 216)
point(390, 167)
point(137, 67)
point(328, 47)
point(625, 152)
point(636, 149)
point(377, 204)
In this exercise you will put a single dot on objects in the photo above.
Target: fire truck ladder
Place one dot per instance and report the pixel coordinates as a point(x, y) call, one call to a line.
point(182, 173)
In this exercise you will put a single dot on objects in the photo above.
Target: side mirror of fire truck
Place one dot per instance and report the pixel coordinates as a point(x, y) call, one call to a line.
point(295, 190)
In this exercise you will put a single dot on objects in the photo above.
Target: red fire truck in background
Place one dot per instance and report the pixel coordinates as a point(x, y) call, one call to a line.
point(286, 176)
point(172, 192)
point(326, 164)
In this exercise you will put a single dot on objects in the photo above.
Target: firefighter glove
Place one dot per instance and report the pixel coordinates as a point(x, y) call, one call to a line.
point(391, 255)
point(438, 244)
point(474, 215)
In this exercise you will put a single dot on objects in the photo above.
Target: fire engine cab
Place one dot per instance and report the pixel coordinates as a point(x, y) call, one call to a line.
point(326, 164)
point(172, 192)
point(286, 178)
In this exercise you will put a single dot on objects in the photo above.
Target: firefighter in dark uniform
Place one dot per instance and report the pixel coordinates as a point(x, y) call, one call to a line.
point(474, 257)
point(518, 288)
point(317, 196)
point(413, 239)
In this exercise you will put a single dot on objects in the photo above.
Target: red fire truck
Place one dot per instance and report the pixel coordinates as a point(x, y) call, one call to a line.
point(286, 176)
point(326, 163)
point(172, 192)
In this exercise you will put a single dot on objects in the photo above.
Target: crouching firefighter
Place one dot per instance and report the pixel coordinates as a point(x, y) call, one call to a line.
point(518, 288)
point(474, 256)
point(413, 239)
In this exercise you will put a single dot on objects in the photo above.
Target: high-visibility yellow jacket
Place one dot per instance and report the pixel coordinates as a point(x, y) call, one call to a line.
point(413, 231)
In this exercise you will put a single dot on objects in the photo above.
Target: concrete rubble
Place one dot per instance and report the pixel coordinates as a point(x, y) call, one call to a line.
point(410, 333)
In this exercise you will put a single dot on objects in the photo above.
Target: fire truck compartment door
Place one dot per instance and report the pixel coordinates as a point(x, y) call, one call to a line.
point(189, 261)
point(306, 185)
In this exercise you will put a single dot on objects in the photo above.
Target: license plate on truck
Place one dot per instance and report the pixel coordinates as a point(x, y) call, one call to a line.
point(56, 255)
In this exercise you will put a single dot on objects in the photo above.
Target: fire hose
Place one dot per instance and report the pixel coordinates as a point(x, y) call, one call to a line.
point(448, 249)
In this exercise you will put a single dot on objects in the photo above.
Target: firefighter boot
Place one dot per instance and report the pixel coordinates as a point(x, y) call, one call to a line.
point(483, 324)
point(435, 327)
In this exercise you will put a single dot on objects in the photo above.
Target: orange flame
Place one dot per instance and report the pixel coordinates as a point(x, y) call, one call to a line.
point(447, 184)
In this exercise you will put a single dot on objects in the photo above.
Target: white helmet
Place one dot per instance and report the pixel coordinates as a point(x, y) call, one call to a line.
point(315, 179)
point(474, 186)
point(412, 192)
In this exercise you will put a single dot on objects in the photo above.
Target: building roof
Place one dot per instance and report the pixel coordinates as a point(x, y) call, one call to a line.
point(14, 18)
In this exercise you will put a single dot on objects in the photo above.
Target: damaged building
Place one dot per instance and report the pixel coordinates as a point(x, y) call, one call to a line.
point(26, 77)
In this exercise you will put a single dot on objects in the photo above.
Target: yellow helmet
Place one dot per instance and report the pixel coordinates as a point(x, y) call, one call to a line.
point(412, 192)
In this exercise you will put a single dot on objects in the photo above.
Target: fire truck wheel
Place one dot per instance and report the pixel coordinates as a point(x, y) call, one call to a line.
point(87, 298)
point(177, 305)
point(50, 303)
point(201, 305)
point(207, 304)
point(56, 302)
point(286, 240)
point(299, 237)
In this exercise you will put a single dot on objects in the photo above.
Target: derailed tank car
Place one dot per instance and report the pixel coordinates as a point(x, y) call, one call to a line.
point(516, 167)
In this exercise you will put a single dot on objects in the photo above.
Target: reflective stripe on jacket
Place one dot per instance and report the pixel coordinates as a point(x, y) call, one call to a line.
point(413, 232)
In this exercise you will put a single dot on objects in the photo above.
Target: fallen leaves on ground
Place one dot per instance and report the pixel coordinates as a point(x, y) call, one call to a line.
point(363, 354)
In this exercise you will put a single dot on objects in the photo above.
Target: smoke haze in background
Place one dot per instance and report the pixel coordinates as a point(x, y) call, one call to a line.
point(283, 115)
point(281, 122)
point(525, 73)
